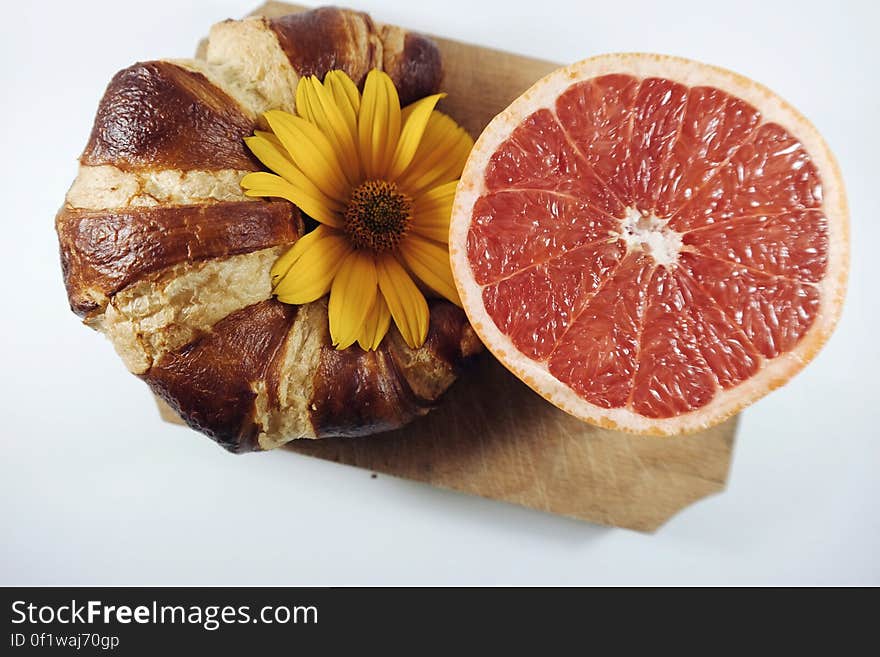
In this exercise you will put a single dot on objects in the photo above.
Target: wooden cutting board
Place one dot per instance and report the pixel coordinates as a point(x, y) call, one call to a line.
point(494, 437)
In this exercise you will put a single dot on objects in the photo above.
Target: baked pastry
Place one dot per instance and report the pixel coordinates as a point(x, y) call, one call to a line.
point(162, 252)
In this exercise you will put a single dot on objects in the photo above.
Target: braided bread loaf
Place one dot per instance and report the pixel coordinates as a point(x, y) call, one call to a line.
point(163, 253)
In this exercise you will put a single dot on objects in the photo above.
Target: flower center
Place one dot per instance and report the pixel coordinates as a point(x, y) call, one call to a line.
point(651, 235)
point(377, 216)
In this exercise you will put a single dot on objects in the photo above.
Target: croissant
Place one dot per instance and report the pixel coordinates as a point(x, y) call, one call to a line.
point(163, 253)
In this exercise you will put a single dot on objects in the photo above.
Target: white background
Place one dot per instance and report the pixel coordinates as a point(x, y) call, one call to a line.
point(94, 489)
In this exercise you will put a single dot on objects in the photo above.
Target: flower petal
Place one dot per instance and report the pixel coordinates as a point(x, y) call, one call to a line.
point(261, 183)
point(352, 296)
point(325, 114)
point(311, 151)
point(346, 95)
point(266, 147)
point(314, 261)
point(441, 155)
point(269, 136)
point(434, 225)
point(429, 261)
point(378, 124)
point(283, 264)
point(303, 106)
point(366, 122)
point(405, 301)
point(376, 325)
point(416, 120)
point(432, 211)
point(392, 130)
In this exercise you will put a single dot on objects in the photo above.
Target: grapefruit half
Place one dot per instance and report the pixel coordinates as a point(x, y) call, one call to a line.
point(651, 243)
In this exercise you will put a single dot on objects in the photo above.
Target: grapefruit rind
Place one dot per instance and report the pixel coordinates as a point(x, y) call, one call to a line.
point(773, 109)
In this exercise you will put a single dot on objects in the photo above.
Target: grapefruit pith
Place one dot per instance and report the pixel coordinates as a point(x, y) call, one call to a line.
point(651, 243)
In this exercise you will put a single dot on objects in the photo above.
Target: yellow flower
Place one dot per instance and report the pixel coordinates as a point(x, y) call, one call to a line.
point(380, 181)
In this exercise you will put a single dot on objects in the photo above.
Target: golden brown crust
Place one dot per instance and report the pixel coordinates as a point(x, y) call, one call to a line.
point(152, 217)
point(212, 382)
point(360, 392)
point(103, 251)
point(357, 393)
point(158, 114)
point(215, 382)
point(416, 67)
point(330, 38)
point(451, 339)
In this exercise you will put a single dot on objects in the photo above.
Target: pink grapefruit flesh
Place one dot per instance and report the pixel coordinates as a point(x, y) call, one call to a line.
point(651, 243)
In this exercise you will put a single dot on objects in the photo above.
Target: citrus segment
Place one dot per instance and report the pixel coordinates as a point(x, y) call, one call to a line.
point(536, 305)
point(650, 243)
point(715, 125)
point(596, 115)
point(517, 229)
point(727, 352)
point(791, 244)
point(773, 312)
point(597, 356)
point(769, 174)
point(656, 122)
point(673, 377)
point(538, 155)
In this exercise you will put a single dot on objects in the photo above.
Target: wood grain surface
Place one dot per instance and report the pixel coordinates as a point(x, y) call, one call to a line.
point(494, 437)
